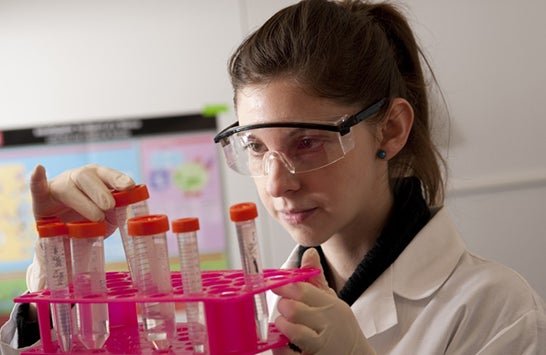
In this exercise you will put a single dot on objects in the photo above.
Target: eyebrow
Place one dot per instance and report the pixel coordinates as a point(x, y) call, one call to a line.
point(292, 131)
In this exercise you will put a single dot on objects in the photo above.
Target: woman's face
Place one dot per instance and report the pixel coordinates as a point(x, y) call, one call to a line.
point(341, 199)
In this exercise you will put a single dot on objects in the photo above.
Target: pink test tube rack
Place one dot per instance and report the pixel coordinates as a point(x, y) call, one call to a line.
point(228, 304)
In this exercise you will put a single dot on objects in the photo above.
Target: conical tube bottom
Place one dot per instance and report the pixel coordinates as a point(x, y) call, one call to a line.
point(94, 341)
point(159, 341)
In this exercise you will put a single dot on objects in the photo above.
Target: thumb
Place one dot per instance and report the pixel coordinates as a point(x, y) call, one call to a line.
point(39, 189)
point(38, 183)
point(311, 259)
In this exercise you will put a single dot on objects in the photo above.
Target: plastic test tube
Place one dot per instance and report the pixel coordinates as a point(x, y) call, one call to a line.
point(153, 277)
point(129, 204)
point(52, 237)
point(244, 215)
point(185, 230)
point(87, 246)
point(53, 219)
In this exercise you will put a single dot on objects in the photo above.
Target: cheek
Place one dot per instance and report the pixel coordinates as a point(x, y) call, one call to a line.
point(260, 184)
point(354, 176)
point(260, 188)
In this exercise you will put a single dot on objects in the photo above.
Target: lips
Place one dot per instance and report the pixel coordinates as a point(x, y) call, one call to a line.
point(296, 216)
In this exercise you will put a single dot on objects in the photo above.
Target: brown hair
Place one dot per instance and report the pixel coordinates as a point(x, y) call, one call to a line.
point(352, 52)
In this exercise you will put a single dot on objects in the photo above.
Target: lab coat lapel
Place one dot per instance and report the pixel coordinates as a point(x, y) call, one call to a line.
point(418, 272)
point(376, 308)
point(429, 260)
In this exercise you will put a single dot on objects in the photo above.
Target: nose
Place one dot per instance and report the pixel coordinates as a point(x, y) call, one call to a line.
point(280, 175)
point(273, 156)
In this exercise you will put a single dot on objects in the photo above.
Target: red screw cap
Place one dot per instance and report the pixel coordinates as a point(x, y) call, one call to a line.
point(147, 225)
point(181, 225)
point(86, 229)
point(243, 211)
point(52, 229)
point(126, 197)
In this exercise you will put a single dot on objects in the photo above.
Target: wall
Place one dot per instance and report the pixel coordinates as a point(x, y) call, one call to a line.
point(72, 61)
point(490, 57)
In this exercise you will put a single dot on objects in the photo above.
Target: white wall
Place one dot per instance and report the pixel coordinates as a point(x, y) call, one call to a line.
point(70, 61)
point(489, 56)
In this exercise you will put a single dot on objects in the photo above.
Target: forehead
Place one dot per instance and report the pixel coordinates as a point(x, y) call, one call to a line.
point(285, 101)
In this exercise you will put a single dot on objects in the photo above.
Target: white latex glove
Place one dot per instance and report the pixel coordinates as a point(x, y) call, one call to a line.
point(315, 319)
point(81, 193)
point(76, 194)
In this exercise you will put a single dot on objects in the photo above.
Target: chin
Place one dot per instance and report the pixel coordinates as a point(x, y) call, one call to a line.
point(307, 238)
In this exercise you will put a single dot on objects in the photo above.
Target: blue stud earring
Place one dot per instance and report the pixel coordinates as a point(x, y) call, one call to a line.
point(381, 154)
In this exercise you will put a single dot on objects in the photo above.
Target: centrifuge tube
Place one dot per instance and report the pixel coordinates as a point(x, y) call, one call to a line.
point(244, 215)
point(153, 277)
point(89, 279)
point(129, 204)
point(54, 219)
point(185, 230)
point(52, 237)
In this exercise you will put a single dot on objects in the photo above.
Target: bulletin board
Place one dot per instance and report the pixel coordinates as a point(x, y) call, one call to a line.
point(174, 156)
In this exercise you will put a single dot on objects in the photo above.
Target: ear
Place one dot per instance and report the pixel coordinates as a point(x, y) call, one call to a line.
point(396, 127)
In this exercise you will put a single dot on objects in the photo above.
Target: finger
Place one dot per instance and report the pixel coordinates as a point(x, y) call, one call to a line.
point(111, 222)
point(95, 183)
point(305, 338)
point(306, 293)
point(38, 183)
point(64, 190)
point(301, 313)
point(42, 203)
point(285, 350)
point(114, 179)
point(311, 258)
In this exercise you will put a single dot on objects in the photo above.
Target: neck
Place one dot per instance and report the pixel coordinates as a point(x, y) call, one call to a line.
point(345, 250)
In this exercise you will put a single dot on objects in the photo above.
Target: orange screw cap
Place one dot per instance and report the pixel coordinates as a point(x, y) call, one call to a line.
point(147, 225)
point(243, 211)
point(181, 225)
point(127, 197)
point(52, 229)
point(86, 229)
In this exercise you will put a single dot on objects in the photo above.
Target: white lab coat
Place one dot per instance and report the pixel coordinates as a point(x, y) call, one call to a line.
point(438, 298)
point(8, 337)
point(35, 279)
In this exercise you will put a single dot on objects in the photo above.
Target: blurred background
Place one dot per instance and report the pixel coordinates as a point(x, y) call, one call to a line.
point(112, 66)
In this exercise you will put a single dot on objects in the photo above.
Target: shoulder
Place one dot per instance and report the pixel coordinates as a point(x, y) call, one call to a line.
point(469, 276)
point(492, 307)
point(487, 281)
point(438, 266)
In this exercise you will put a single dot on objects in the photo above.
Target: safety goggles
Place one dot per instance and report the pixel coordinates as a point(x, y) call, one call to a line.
point(306, 146)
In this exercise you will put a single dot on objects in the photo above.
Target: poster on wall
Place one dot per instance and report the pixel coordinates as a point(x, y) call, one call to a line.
point(174, 156)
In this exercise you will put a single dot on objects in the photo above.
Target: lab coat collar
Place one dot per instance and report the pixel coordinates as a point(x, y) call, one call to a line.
point(417, 273)
point(429, 260)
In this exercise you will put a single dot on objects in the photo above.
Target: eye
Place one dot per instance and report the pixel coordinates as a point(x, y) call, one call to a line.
point(309, 144)
point(254, 147)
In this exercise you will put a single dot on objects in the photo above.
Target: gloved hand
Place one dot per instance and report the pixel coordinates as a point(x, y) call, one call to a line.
point(81, 193)
point(315, 319)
